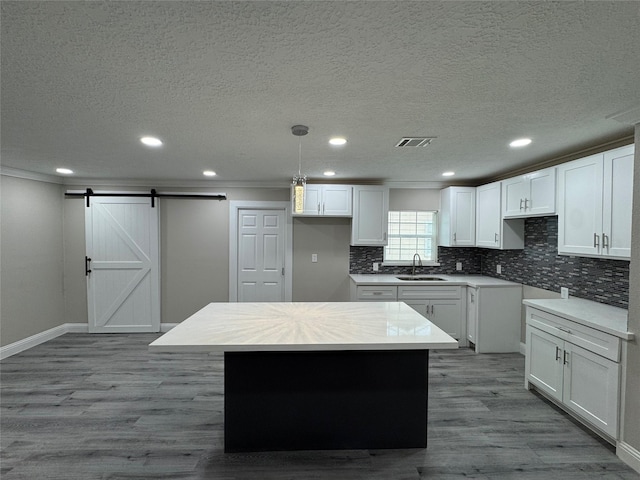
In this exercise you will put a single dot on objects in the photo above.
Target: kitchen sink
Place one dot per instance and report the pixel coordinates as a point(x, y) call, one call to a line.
point(420, 278)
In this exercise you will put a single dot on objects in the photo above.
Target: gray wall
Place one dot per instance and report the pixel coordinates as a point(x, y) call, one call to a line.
point(32, 269)
point(631, 419)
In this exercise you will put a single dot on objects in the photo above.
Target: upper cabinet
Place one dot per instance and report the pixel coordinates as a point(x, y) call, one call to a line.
point(594, 204)
point(492, 231)
point(530, 195)
point(370, 215)
point(326, 200)
point(457, 217)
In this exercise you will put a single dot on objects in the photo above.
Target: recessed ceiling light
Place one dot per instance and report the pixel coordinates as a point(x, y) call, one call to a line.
point(448, 174)
point(151, 141)
point(64, 171)
point(329, 173)
point(337, 141)
point(520, 142)
point(209, 173)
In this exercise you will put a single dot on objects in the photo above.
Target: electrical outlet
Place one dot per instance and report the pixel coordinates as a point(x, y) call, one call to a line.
point(314, 257)
point(458, 265)
point(499, 269)
point(564, 292)
point(375, 266)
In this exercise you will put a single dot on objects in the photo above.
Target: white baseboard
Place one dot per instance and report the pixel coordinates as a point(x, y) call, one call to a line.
point(628, 455)
point(165, 327)
point(38, 338)
point(523, 348)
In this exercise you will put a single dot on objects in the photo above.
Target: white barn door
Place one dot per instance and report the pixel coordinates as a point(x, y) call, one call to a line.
point(122, 242)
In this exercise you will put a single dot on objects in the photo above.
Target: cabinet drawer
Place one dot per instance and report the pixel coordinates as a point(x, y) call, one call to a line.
point(373, 293)
point(601, 343)
point(415, 292)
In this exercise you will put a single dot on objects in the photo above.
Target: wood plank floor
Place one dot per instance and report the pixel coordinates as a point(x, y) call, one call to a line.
point(103, 407)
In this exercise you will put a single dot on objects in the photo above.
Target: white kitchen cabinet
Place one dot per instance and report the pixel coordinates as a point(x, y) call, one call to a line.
point(457, 219)
point(594, 205)
point(494, 318)
point(530, 195)
point(326, 200)
point(370, 215)
point(577, 366)
point(492, 231)
point(444, 306)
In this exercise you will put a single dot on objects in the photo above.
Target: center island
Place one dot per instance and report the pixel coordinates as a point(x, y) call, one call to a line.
point(310, 376)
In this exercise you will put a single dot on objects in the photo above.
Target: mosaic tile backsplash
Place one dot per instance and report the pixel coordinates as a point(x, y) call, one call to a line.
point(538, 265)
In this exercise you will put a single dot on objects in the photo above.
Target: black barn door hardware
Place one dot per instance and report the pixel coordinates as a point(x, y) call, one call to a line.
point(153, 194)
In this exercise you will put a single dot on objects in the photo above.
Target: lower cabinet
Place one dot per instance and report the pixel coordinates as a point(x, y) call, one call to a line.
point(494, 317)
point(444, 306)
point(578, 379)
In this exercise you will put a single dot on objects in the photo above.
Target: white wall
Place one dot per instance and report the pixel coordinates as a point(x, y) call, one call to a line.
point(31, 258)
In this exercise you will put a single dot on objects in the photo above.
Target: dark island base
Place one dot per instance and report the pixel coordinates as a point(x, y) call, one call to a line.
point(325, 400)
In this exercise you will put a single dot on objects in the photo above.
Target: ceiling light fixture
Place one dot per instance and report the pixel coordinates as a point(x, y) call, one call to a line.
point(64, 171)
point(209, 173)
point(151, 141)
point(329, 173)
point(448, 174)
point(520, 142)
point(299, 181)
point(337, 141)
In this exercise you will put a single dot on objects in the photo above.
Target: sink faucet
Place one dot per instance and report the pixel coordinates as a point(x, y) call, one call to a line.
point(413, 268)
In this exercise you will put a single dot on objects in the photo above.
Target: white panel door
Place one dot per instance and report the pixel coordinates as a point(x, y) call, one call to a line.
point(544, 362)
point(617, 200)
point(122, 243)
point(261, 255)
point(515, 190)
point(580, 206)
point(542, 192)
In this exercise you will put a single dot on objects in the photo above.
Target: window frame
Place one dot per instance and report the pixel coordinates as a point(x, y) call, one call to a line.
point(433, 237)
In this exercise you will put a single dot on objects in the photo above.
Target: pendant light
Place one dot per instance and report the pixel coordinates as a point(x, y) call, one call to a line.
point(299, 181)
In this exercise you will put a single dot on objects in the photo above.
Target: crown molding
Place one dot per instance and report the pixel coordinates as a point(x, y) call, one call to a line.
point(27, 175)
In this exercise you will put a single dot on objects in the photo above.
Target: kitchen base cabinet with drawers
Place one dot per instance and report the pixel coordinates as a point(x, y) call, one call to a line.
point(576, 365)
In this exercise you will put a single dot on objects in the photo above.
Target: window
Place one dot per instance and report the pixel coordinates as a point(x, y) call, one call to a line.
point(410, 233)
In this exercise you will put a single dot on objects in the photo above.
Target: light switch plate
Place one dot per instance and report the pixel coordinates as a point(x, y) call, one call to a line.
point(458, 265)
point(498, 269)
point(375, 266)
point(314, 257)
point(564, 292)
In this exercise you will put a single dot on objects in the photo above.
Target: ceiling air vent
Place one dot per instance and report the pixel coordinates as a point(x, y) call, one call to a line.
point(415, 141)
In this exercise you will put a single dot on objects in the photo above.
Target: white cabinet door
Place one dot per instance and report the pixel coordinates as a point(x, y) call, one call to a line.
point(542, 193)
point(580, 186)
point(544, 362)
point(447, 315)
point(457, 217)
point(312, 200)
point(515, 191)
point(617, 200)
point(370, 216)
point(420, 306)
point(472, 313)
point(336, 200)
point(591, 385)
point(488, 215)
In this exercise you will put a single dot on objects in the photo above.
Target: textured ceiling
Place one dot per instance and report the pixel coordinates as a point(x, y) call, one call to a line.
point(222, 83)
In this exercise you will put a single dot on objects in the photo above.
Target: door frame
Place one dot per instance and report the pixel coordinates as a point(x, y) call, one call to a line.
point(234, 208)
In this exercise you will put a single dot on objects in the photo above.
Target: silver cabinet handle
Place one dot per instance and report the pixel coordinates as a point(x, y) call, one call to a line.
point(526, 200)
point(521, 200)
point(377, 293)
point(557, 353)
point(596, 240)
point(566, 358)
point(565, 330)
point(454, 237)
point(318, 209)
point(605, 241)
point(384, 236)
point(495, 238)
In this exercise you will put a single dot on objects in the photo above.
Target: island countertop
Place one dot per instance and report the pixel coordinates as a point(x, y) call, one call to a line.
point(303, 326)
point(462, 280)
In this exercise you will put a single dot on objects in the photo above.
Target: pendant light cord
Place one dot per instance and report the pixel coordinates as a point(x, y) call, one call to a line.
point(299, 156)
